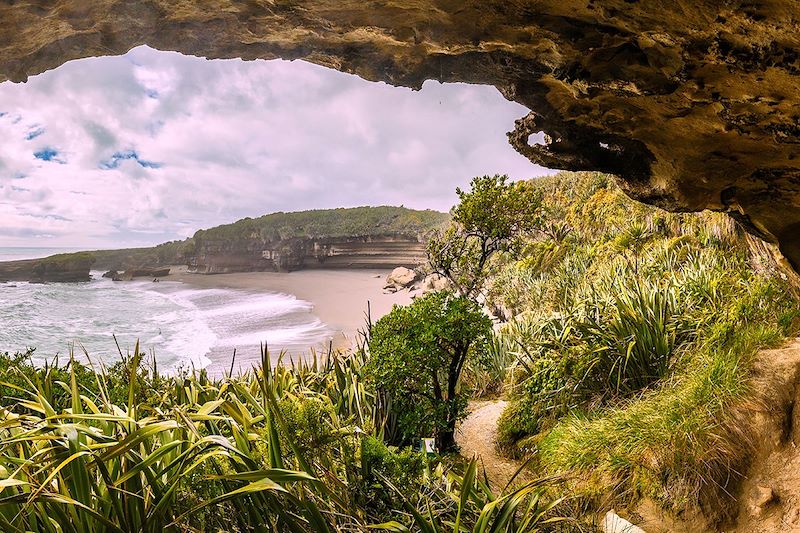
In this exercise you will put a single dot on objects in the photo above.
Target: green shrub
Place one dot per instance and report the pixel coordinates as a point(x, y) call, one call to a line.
point(309, 424)
point(417, 353)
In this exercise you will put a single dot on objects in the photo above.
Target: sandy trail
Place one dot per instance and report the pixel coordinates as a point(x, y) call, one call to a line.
point(477, 435)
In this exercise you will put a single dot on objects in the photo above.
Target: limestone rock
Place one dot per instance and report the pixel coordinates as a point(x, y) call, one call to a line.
point(150, 272)
point(400, 278)
point(434, 282)
point(691, 108)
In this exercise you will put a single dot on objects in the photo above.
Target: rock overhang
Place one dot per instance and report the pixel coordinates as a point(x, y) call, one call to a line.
point(692, 105)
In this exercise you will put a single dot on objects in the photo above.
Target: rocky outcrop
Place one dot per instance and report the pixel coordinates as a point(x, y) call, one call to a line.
point(155, 257)
point(693, 105)
point(400, 278)
point(62, 267)
point(226, 255)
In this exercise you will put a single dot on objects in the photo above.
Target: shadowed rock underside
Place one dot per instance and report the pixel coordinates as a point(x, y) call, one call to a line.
point(692, 104)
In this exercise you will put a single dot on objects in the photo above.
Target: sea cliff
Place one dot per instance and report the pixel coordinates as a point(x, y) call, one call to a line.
point(286, 255)
point(61, 267)
point(362, 237)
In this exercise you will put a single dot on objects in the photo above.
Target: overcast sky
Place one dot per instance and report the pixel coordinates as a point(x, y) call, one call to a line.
point(151, 146)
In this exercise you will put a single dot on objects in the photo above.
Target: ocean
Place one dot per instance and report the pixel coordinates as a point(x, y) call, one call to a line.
point(181, 326)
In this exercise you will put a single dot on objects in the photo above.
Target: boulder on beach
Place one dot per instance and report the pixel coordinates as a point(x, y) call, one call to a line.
point(150, 272)
point(400, 278)
point(434, 282)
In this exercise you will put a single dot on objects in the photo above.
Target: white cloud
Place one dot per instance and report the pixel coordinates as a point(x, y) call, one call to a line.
point(152, 146)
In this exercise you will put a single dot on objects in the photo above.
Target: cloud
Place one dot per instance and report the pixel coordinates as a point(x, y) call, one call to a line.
point(151, 146)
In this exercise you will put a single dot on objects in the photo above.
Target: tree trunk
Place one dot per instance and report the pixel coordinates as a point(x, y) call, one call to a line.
point(446, 441)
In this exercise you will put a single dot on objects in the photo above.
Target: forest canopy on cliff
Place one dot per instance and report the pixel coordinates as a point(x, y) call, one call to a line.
point(324, 223)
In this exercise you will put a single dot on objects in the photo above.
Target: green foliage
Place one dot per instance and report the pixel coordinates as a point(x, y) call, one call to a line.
point(484, 375)
point(168, 253)
point(403, 467)
point(309, 423)
point(290, 448)
point(491, 217)
point(497, 210)
point(17, 372)
point(62, 260)
point(633, 334)
point(321, 223)
point(417, 353)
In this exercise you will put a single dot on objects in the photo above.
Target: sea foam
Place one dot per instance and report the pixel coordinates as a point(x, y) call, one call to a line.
point(182, 326)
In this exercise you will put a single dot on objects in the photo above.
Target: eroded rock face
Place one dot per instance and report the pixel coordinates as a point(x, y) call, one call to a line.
point(693, 104)
point(61, 268)
point(219, 256)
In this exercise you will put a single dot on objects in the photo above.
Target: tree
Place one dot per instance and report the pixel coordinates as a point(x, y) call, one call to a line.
point(492, 217)
point(417, 353)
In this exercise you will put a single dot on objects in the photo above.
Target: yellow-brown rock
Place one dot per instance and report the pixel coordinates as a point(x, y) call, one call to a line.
point(693, 104)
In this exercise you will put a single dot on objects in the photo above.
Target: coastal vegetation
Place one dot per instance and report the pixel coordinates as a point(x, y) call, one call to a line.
point(329, 223)
point(633, 333)
point(293, 447)
point(417, 354)
point(493, 216)
point(168, 253)
point(625, 345)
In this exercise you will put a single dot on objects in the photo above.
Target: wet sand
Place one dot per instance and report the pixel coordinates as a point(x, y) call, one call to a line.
point(339, 297)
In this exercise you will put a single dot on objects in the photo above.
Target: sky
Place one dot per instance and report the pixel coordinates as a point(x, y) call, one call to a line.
point(151, 146)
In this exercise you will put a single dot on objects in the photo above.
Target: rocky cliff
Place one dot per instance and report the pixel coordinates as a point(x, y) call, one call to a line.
point(693, 105)
point(62, 267)
point(144, 259)
point(287, 255)
point(362, 237)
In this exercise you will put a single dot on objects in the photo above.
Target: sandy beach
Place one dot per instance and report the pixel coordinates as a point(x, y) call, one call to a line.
point(339, 297)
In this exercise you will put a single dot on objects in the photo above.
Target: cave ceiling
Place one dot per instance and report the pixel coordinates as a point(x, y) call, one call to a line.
point(691, 104)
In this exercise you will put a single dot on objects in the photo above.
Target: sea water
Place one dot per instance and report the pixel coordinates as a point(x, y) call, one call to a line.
point(181, 326)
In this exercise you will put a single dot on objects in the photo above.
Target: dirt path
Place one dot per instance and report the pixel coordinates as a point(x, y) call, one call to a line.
point(477, 436)
point(770, 496)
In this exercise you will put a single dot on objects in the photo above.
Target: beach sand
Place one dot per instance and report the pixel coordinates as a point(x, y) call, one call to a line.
point(339, 297)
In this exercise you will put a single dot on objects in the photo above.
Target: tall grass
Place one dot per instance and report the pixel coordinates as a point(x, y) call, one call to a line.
point(294, 447)
point(635, 347)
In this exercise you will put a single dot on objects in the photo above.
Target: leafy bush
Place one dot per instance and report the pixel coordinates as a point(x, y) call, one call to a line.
point(417, 354)
point(491, 217)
